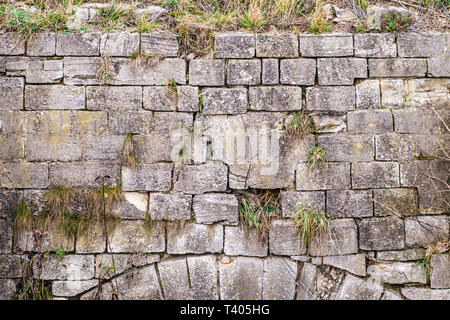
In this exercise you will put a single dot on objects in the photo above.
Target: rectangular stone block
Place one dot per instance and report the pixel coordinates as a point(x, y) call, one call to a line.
point(366, 175)
point(234, 45)
point(9, 200)
point(279, 279)
point(325, 122)
point(297, 71)
point(120, 44)
point(438, 67)
point(54, 97)
point(240, 242)
point(403, 202)
point(426, 92)
point(82, 70)
point(159, 98)
point(93, 241)
point(348, 148)
point(354, 288)
point(349, 203)
point(354, 263)
point(414, 44)
point(425, 294)
point(440, 274)
point(385, 68)
point(402, 255)
point(114, 98)
point(285, 239)
point(24, 175)
point(206, 73)
point(72, 288)
point(159, 44)
point(341, 238)
point(188, 98)
point(42, 44)
point(12, 265)
point(194, 238)
point(69, 267)
point(370, 121)
point(78, 44)
point(12, 122)
point(340, 71)
point(198, 179)
point(52, 148)
point(393, 146)
point(276, 98)
point(326, 45)
point(392, 93)
point(170, 206)
point(36, 70)
point(422, 231)
point(203, 275)
point(398, 272)
point(336, 177)
point(277, 45)
point(368, 94)
point(417, 120)
point(11, 44)
point(124, 122)
point(381, 233)
point(314, 200)
point(244, 72)
point(340, 99)
point(224, 100)
point(270, 72)
point(133, 206)
point(174, 279)
point(147, 177)
point(375, 45)
point(216, 207)
point(11, 93)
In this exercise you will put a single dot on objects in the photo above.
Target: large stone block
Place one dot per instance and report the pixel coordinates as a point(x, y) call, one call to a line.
point(133, 236)
point(188, 98)
point(24, 175)
point(54, 97)
point(240, 242)
point(234, 45)
point(93, 241)
point(12, 147)
point(402, 255)
point(159, 44)
point(285, 239)
point(159, 98)
point(349, 203)
point(194, 238)
point(120, 44)
point(11, 93)
point(438, 67)
point(368, 94)
point(375, 45)
point(424, 230)
point(381, 234)
point(403, 202)
point(339, 99)
point(297, 71)
point(393, 146)
point(417, 120)
point(277, 45)
point(224, 100)
point(24, 241)
point(241, 279)
point(42, 44)
point(203, 277)
point(244, 72)
point(103, 147)
point(314, 200)
point(340, 71)
point(206, 73)
point(413, 44)
point(13, 265)
point(392, 93)
point(366, 175)
point(326, 45)
point(426, 92)
point(383, 68)
point(9, 199)
point(175, 279)
point(11, 44)
point(82, 70)
point(132, 206)
point(216, 207)
point(279, 279)
point(147, 177)
point(425, 294)
point(341, 238)
point(440, 271)
point(125, 122)
point(354, 263)
point(350, 148)
point(325, 122)
point(198, 179)
point(279, 98)
point(69, 267)
point(370, 121)
point(121, 262)
point(270, 71)
point(170, 206)
point(398, 272)
point(72, 288)
point(36, 70)
point(78, 44)
point(114, 98)
point(336, 177)
point(354, 288)
point(83, 174)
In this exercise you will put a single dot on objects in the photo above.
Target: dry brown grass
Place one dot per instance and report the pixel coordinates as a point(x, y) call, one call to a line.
point(310, 224)
point(128, 156)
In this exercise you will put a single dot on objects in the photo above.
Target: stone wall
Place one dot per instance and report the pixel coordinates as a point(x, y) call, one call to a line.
point(380, 108)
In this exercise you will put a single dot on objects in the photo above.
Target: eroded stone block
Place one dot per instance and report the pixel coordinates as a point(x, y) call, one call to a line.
point(349, 203)
point(277, 45)
point(279, 98)
point(244, 72)
point(367, 175)
point(297, 71)
point(240, 242)
point(341, 238)
point(375, 45)
point(78, 44)
point(216, 207)
point(234, 45)
point(206, 73)
point(381, 234)
point(340, 71)
point(336, 177)
point(170, 206)
point(194, 238)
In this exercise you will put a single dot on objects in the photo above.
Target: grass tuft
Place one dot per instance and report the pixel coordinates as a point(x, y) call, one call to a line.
point(318, 23)
point(23, 217)
point(300, 125)
point(310, 224)
point(316, 157)
point(395, 22)
point(128, 157)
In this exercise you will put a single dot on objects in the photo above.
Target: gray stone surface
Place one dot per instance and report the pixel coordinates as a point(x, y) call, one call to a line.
point(385, 68)
point(52, 148)
point(344, 147)
point(121, 263)
point(326, 45)
point(277, 45)
point(341, 238)
point(417, 120)
point(54, 97)
point(440, 271)
point(175, 279)
point(11, 93)
point(216, 207)
point(6, 236)
point(12, 265)
point(392, 93)
point(393, 146)
point(425, 294)
point(398, 272)
point(381, 234)
point(438, 67)
point(82, 174)
point(349, 203)
point(305, 287)
point(198, 179)
point(11, 44)
point(159, 98)
point(194, 238)
point(132, 206)
point(234, 45)
point(370, 121)
point(279, 279)
point(224, 100)
point(120, 44)
point(276, 98)
point(289, 201)
point(206, 73)
point(107, 98)
point(424, 230)
point(368, 94)
point(414, 44)
point(203, 277)
point(403, 202)
point(124, 122)
point(336, 177)
point(339, 99)
point(244, 72)
point(81, 70)
point(391, 295)
point(375, 45)
point(284, 239)
point(270, 71)
point(340, 71)
point(24, 241)
point(297, 71)
point(72, 288)
point(24, 175)
point(8, 202)
point(354, 263)
point(354, 288)
point(402, 255)
point(367, 175)
point(69, 267)
point(42, 44)
point(102, 147)
point(240, 242)
point(188, 98)
point(8, 289)
point(147, 177)
point(324, 122)
point(78, 44)
point(170, 206)
point(159, 44)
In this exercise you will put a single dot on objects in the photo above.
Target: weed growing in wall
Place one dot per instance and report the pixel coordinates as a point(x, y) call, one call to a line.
point(316, 157)
point(128, 156)
point(310, 224)
point(300, 125)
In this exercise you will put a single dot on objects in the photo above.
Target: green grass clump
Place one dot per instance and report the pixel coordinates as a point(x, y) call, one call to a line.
point(395, 22)
point(310, 224)
point(300, 125)
point(316, 157)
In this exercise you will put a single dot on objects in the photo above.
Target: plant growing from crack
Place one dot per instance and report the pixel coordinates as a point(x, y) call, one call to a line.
point(316, 157)
point(310, 224)
point(300, 125)
point(128, 157)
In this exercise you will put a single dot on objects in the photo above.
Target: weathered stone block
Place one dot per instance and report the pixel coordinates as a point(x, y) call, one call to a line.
point(72, 288)
point(52, 148)
point(12, 265)
point(326, 45)
point(244, 72)
point(11, 122)
point(11, 93)
point(24, 175)
point(349, 203)
point(340, 71)
point(8, 289)
point(8, 202)
point(438, 67)
point(354, 263)
point(82, 174)
point(270, 73)
point(392, 93)
point(133, 236)
point(341, 238)
point(198, 179)
point(82, 70)
point(354, 288)
point(402, 255)
point(206, 73)
point(277, 45)
point(103, 147)
point(240, 242)
point(382, 68)
point(224, 100)
point(11, 147)
point(175, 279)
point(216, 207)
point(426, 92)
point(424, 230)
point(368, 94)
point(234, 45)
point(375, 45)
point(120, 44)
point(147, 177)
point(367, 175)
point(11, 44)
point(69, 267)
point(54, 97)
point(314, 200)
point(417, 120)
point(398, 272)
point(279, 98)
point(440, 271)
point(297, 71)
point(325, 122)
point(284, 239)
point(194, 238)
point(132, 206)
point(78, 44)
point(344, 147)
point(6, 236)
point(404, 202)
point(425, 294)
point(381, 234)
point(279, 279)
point(159, 44)
point(114, 98)
point(340, 99)
point(170, 206)
point(370, 121)
point(130, 122)
point(93, 241)
point(159, 98)
point(336, 177)
point(241, 279)
point(41, 44)
point(188, 98)
point(24, 241)
point(36, 70)
point(412, 44)
point(203, 277)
